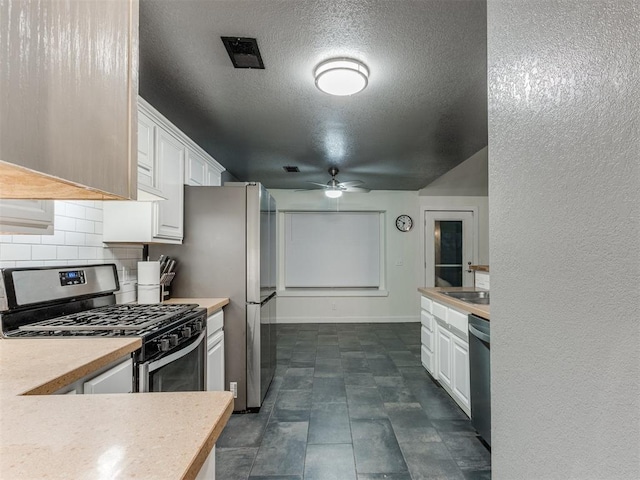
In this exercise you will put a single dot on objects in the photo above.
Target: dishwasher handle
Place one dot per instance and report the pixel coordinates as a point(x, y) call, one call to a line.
point(477, 333)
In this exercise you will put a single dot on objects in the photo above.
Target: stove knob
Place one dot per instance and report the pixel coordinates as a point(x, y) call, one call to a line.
point(173, 339)
point(165, 346)
point(198, 325)
point(186, 332)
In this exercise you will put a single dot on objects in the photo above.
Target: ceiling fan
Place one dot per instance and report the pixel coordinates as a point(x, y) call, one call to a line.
point(334, 188)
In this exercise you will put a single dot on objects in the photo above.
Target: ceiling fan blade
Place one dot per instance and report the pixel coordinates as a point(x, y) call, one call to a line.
point(352, 183)
point(357, 190)
point(323, 185)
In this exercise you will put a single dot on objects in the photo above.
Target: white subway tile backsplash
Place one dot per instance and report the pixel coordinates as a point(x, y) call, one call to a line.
point(57, 238)
point(86, 226)
point(75, 238)
point(67, 253)
point(88, 253)
point(93, 239)
point(43, 252)
point(27, 239)
point(11, 251)
point(75, 210)
point(94, 214)
point(67, 224)
point(27, 263)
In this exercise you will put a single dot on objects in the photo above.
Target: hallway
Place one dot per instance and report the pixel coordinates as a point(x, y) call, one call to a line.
point(352, 401)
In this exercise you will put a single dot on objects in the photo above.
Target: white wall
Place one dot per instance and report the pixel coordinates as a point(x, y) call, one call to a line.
point(402, 281)
point(470, 178)
point(77, 241)
point(564, 196)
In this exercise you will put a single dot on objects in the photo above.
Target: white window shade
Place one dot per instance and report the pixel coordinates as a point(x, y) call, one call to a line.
point(332, 249)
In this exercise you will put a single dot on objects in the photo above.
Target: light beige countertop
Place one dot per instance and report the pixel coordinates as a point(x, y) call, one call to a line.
point(141, 435)
point(211, 304)
point(434, 294)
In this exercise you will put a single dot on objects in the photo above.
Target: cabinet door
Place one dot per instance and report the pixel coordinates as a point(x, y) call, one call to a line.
point(443, 349)
point(68, 106)
point(460, 370)
point(215, 363)
point(213, 175)
point(147, 171)
point(170, 163)
point(196, 169)
point(32, 217)
point(118, 379)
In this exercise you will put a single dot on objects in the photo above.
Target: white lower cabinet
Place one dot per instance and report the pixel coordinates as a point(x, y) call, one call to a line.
point(460, 371)
point(445, 349)
point(215, 352)
point(118, 379)
point(208, 470)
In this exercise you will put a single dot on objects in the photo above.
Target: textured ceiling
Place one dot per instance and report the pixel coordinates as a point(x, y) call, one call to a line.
point(423, 112)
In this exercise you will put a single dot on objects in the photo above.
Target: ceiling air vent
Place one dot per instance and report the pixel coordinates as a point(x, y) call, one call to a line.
point(290, 169)
point(243, 52)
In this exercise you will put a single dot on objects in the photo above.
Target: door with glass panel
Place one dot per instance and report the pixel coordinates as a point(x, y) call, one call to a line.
point(449, 247)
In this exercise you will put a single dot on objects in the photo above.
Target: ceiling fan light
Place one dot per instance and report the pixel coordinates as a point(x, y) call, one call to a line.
point(341, 76)
point(333, 193)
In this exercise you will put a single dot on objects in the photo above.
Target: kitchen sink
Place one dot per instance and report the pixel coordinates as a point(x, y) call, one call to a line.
point(479, 298)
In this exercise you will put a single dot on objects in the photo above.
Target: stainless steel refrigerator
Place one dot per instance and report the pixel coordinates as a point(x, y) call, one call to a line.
point(229, 250)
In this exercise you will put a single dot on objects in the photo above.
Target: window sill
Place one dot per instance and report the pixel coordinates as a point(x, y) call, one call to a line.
point(332, 292)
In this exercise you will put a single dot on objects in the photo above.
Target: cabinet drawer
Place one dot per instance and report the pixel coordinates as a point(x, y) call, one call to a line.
point(427, 360)
point(426, 338)
point(427, 320)
point(458, 320)
point(425, 303)
point(215, 323)
point(439, 311)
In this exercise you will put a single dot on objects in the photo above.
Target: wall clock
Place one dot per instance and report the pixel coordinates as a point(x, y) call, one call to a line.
point(404, 223)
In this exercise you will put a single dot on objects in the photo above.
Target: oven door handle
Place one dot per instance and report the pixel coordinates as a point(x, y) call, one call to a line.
point(150, 367)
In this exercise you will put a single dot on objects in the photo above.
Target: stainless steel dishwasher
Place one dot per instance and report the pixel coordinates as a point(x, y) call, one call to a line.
point(480, 375)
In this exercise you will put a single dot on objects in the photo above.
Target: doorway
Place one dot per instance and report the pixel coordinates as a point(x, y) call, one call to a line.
point(450, 243)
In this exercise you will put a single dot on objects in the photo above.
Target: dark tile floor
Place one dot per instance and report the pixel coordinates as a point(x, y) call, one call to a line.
point(352, 401)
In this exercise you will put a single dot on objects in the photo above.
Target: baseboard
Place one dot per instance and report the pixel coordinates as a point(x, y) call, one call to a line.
point(389, 319)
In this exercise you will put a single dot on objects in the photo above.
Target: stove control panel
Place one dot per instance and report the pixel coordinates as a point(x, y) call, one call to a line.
point(72, 277)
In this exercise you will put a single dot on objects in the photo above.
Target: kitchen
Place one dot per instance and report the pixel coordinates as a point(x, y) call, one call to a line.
point(536, 420)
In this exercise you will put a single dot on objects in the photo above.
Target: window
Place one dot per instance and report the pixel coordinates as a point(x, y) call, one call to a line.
point(333, 250)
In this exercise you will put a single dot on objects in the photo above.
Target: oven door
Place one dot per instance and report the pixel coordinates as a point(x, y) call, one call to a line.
point(179, 371)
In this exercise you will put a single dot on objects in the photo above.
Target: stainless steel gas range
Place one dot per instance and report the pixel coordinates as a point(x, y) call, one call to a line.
point(79, 301)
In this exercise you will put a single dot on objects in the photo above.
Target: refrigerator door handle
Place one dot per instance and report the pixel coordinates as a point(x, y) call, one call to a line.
point(264, 301)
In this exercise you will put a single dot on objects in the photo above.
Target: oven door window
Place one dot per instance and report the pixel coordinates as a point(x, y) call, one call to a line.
point(181, 371)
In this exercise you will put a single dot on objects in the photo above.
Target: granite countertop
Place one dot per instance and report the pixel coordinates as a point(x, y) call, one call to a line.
point(141, 435)
point(433, 293)
point(211, 304)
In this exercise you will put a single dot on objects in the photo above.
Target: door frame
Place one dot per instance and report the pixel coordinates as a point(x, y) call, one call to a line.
point(453, 208)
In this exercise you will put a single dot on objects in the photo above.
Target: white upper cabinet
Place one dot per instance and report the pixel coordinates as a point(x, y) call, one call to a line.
point(170, 164)
point(147, 171)
point(168, 160)
point(27, 217)
point(68, 105)
point(201, 171)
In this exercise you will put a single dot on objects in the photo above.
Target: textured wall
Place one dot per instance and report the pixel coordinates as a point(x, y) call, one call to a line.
point(564, 185)
point(470, 178)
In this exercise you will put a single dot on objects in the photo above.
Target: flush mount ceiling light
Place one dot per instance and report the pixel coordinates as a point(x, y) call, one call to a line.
point(333, 193)
point(341, 76)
